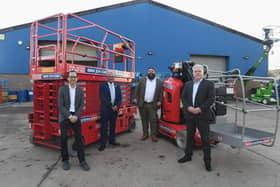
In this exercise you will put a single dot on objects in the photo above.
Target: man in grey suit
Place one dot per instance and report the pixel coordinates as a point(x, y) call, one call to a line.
point(70, 104)
point(148, 97)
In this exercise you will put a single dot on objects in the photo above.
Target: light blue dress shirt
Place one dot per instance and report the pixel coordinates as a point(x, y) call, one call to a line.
point(195, 88)
point(112, 92)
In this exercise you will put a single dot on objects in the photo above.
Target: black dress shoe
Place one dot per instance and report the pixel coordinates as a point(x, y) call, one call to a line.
point(184, 159)
point(208, 166)
point(102, 147)
point(115, 143)
point(66, 165)
point(85, 166)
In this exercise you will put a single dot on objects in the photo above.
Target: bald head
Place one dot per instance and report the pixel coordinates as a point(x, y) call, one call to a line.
point(110, 77)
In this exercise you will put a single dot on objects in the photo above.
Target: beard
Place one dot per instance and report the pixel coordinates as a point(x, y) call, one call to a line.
point(151, 76)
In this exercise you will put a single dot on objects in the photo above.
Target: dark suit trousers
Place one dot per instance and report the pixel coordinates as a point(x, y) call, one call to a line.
point(108, 119)
point(64, 125)
point(203, 127)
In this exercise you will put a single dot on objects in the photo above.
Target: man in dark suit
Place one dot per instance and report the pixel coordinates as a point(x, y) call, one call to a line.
point(70, 105)
point(197, 97)
point(110, 94)
point(148, 97)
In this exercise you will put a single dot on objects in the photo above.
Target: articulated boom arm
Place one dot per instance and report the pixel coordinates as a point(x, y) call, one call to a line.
point(271, 35)
point(252, 70)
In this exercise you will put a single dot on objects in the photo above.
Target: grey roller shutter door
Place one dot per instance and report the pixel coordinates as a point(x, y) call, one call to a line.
point(216, 63)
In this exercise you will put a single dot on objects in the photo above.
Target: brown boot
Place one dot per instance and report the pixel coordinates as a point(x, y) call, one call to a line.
point(154, 139)
point(144, 137)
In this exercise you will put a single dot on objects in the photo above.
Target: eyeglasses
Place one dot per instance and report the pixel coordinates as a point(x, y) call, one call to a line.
point(72, 77)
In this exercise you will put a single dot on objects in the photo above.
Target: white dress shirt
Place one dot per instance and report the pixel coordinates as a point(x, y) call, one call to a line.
point(112, 92)
point(195, 88)
point(150, 90)
point(72, 93)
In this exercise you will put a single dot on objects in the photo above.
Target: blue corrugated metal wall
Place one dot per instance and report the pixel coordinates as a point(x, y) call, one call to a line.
point(168, 35)
point(14, 58)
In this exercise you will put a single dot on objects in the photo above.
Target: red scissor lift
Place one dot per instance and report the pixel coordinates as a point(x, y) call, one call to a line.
point(61, 43)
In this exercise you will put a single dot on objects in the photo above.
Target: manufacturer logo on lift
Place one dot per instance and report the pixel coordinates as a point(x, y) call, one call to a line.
point(170, 87)
point(87, 119)
point(51, 76)
point(256, 142)
point(96, 71)
point(167, 129)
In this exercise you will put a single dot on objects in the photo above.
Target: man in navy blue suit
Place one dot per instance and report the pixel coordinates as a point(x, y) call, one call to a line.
point(110, 94)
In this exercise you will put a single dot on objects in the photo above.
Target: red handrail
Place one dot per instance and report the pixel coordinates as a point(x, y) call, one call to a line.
point(64, 33)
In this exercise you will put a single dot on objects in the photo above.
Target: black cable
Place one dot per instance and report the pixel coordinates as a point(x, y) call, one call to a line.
point(48, 172)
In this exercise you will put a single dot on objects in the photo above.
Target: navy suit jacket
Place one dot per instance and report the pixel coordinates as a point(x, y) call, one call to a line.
point(105, 97)
point(205, 97)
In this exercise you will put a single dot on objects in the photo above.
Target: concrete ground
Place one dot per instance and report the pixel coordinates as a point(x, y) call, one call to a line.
point(134, 164)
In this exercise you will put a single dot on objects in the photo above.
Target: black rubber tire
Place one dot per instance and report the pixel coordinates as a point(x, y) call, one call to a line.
point(131, 126)
point(265, 101)
point(181, 139)
point(32, 139)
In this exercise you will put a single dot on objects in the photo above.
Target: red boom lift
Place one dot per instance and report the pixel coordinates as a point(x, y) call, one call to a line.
point(171, 123)
point(230, 83)
point(61, 43)
point(228, 130)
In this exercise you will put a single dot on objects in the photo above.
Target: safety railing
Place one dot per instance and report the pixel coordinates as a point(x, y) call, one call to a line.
point(62, 40)
point(244, 102)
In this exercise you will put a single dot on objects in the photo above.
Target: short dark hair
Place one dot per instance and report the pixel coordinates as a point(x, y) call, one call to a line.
point(151, 68)
point(72, 71)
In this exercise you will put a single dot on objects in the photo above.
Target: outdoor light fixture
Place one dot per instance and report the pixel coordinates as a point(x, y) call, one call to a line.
point(20, 42)
point(271, 33)
point(150, 53)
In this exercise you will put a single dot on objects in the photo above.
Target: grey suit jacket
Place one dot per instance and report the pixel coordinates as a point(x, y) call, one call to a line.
point(64, 102)
point(141, 88)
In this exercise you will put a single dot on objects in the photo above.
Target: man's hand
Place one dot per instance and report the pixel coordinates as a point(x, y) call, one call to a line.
point(158, 103)
point(195, 110)
point(115, 108)
point(73, 119)
point(135, 101)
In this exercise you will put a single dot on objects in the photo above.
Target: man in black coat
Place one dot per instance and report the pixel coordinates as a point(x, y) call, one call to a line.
point(70, 105)
point(197, 97)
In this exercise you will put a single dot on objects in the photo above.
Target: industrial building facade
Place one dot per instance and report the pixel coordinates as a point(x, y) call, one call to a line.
point(162, 35)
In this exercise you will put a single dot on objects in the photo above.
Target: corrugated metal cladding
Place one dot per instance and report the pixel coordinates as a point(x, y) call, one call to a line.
point(162, 34)
point(216, 63)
